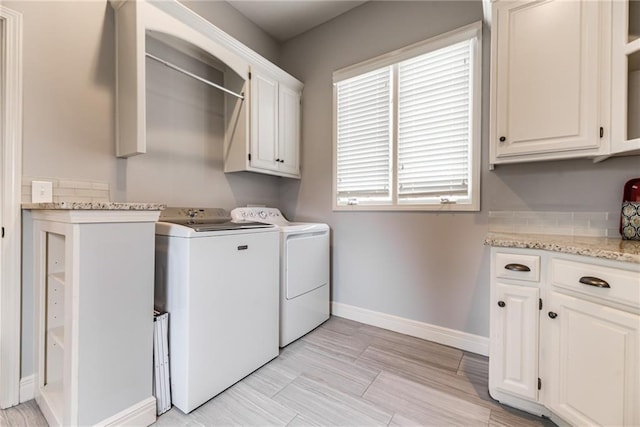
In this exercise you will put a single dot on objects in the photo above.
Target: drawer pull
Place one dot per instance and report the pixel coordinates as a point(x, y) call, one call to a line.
point(243, 247)
point(517, 267)
point(594, 281)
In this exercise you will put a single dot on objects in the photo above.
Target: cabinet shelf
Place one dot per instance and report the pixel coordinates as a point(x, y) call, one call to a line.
point(58, 277)
point(632, 47)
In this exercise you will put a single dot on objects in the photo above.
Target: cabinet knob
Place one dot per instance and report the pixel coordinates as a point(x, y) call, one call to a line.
point(277, 160)
point(553, 315)
point(503, 139)
point(281, 161)
point(501, 304)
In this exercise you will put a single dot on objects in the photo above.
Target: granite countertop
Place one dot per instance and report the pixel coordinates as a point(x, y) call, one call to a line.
point(598, 247)
point(107, 206)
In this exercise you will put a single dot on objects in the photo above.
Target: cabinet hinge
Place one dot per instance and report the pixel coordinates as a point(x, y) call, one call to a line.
point(601, 131)
point(249, 156)
point(249, 75)
point(539, 384)
point(3, 232)
point(539, 303)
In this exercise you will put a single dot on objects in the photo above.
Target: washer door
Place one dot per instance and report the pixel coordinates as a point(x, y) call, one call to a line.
point(307, 263)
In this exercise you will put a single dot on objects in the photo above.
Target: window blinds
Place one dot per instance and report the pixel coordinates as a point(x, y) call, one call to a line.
point(407, 126)
point(364, 136)
point(434, 124)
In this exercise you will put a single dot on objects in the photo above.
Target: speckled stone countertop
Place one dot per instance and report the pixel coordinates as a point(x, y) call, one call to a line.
point(106, 206)
point(598, 247)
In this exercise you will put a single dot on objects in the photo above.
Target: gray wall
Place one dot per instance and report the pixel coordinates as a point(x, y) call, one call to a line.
point(69, 119)
point(237, 25)
point(425, 266)
point(69, 111)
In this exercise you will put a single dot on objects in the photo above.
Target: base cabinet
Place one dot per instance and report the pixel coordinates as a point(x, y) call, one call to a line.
point(94, 316)
point(514, 355)
point(593, 354)
point(566, 346)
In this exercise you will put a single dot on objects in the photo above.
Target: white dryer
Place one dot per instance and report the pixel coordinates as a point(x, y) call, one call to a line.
point(304, 270)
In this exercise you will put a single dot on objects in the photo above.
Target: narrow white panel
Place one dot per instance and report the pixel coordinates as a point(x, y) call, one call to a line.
point(517, 320)
point(161, 389)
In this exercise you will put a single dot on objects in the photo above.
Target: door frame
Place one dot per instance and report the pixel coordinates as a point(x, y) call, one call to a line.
point(10, 199)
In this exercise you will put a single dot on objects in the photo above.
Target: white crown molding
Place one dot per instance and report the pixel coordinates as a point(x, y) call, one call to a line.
point(188, 17)
point(11, 181)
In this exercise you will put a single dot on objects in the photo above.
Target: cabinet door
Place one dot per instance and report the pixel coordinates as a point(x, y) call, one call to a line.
point(545, 78)
point(264, 130)
point(513, 361)
point(289, 130)
point(594, 354)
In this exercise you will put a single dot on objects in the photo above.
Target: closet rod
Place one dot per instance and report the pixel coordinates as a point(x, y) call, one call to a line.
point(175, 67)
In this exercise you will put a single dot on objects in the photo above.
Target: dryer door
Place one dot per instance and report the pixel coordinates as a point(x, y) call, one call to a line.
point(307, 263)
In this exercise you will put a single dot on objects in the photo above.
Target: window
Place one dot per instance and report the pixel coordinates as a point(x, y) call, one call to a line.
point(407, 127)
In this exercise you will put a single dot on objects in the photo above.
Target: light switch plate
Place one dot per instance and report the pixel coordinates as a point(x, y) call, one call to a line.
point(41, 192)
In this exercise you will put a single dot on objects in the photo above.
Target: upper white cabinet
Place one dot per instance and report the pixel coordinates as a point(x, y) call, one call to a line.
point(550, 63)
point(275, 130)
point(625, 133)
point(260, 121)
point(289, 119)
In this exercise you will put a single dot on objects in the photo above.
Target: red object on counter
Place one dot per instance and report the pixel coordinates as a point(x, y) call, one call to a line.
point(631, 191)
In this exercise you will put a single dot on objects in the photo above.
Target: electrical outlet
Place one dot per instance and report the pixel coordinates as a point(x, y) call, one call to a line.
point(41, 192)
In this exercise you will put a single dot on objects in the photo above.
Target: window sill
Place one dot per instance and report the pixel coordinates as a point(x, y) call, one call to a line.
point(446, 207)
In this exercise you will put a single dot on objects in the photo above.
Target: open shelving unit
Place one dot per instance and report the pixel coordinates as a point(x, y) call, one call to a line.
point(93, 368)
point(626, 77)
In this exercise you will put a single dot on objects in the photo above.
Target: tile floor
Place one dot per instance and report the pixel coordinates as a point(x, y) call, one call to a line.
point(348, 374)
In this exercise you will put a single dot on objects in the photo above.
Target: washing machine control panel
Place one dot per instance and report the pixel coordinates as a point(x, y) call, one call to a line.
point(260, 214)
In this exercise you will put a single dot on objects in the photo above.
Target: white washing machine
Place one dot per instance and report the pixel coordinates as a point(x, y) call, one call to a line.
point(304, 270)
point(219, 282)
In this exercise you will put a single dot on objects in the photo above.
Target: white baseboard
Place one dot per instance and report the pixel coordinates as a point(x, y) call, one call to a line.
point(27, 388)
point(141, 414)
point(451, 337)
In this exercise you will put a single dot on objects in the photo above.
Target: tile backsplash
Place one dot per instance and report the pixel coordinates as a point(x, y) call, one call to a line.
point(595, 224)
point(66, 190)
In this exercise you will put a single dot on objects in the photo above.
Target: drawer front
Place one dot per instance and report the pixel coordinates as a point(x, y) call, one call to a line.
point(517, 267)
point(623, 285)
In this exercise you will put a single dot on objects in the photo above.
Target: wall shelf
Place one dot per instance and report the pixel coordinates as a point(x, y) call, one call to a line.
point(175, 25)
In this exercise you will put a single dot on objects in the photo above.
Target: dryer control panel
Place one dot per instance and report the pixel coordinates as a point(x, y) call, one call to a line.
point(260, 214)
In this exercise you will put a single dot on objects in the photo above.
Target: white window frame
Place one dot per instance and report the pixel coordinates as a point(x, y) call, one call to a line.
point(471, 31)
